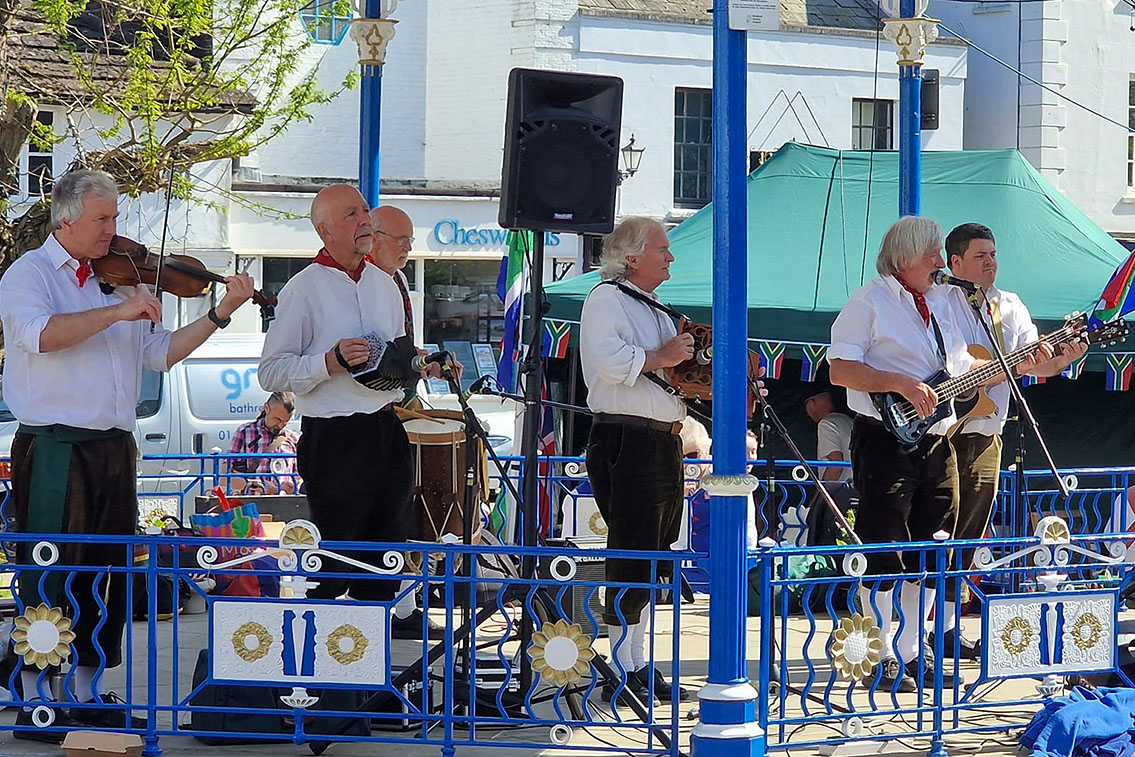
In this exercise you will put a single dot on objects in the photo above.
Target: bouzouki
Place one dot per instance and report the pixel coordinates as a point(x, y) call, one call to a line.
point(963, 392)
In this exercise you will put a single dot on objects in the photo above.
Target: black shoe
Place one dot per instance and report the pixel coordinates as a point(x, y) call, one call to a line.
point(634, 685)
point(967, 649)
point(662, 689)
point(892, 671)
point(928, 665)
point(31, 732)
point(112, 714)
point(410, 627)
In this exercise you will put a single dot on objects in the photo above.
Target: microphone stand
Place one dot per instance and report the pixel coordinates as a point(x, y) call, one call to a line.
point(484, 389)
point(1022, 406)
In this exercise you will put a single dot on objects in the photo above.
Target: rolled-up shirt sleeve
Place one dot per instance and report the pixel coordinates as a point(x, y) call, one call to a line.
point(283, 366)
point(25, 308)
point(155, 348)
point(851, 331)
point(602, 337)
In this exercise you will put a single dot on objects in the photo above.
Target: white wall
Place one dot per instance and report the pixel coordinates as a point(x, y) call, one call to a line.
point(1084, 51)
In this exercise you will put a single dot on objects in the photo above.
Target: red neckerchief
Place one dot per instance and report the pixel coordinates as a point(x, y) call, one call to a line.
point(83, 272)
point(324, 258)
point(919, 300)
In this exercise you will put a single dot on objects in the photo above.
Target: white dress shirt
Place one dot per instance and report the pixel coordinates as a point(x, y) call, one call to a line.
point(319, 306)
point(94, 384)
point(1018, 329)
point(833, 434)
point(615, 333)
point(881, 328)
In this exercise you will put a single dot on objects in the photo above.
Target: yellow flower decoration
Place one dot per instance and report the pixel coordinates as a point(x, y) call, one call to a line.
point(297, 535)
point(856, 647)
point(597, 524)
point(1087, 631)
point(42, 636)
point(561, 653)
point(259, 637)
point(356, 648)
point(1017, 635)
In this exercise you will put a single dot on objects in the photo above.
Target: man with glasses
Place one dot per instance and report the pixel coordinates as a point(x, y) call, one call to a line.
point(393, 238)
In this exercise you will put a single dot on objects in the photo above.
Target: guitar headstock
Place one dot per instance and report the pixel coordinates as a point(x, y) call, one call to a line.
point(1109, 333)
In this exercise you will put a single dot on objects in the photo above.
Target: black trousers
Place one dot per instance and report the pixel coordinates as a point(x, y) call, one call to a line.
point(358, 473)
point(101, 499)
point(904, 495)
point(636, 477)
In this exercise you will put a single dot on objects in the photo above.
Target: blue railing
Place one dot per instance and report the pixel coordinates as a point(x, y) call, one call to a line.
point(812, 624)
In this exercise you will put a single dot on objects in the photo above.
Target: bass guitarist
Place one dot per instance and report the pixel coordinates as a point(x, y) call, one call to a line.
point(895, 331)
point(972, 254)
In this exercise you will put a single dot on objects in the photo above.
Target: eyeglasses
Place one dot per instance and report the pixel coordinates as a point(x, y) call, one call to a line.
point(400, 241)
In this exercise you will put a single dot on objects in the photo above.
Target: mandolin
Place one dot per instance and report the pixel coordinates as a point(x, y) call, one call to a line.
point(965, 392)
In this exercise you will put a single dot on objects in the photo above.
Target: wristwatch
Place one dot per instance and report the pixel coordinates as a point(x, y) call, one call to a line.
point(216, 319)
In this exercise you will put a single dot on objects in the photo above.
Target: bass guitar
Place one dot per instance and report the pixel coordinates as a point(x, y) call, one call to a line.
point(901, 418)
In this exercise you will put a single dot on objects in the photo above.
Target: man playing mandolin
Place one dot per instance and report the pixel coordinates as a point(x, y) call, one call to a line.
point(72, 377)
point(634, 454)
point(972, 255)
point(895, 333)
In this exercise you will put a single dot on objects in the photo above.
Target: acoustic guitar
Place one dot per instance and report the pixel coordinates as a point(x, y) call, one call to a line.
point(965, 394)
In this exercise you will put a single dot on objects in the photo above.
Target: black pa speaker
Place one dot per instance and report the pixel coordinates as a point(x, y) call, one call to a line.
point(929, 99)
point(561, 151)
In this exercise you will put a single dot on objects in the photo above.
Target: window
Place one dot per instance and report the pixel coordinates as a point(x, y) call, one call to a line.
point(693, 147)
point(461, 302)
point(872, 124)
point(326, 21)
point(40, 166)
point(276, 273)
point(1131, 134)
point(150, 398)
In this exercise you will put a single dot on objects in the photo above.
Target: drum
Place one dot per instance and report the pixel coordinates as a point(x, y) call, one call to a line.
point(438, 445)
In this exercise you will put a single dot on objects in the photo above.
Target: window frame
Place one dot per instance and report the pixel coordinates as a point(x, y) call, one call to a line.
point(860, 130)
point(316, 14)
point(683, 120)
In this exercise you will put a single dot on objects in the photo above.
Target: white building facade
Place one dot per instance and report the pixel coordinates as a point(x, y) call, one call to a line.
point(1078, 131)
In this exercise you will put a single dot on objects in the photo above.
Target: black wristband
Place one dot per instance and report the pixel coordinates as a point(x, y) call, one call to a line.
point(342, 361)
point(216, 319)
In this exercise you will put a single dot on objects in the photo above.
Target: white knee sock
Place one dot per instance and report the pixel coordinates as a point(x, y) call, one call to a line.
point(405, 606)
point(950, 621)
point(638, 644)
point(885, 601)
point(84, 682)
point(622, 643)
point(31, 693)
point(910, 638)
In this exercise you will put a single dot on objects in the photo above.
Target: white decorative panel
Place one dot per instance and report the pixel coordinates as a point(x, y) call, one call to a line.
point(309, 643)
point(1049, 633)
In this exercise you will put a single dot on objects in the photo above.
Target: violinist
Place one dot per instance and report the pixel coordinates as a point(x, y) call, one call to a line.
point(75, 356)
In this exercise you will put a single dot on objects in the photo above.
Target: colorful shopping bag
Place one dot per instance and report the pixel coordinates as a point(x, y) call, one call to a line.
point(238, 520)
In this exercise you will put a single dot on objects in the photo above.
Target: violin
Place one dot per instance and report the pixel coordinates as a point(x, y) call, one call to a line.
point(129, 263)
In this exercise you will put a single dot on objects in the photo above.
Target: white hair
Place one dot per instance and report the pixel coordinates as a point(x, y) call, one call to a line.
point(908, 239)
point(694, 434)
point(70, 192)
point(628, 238)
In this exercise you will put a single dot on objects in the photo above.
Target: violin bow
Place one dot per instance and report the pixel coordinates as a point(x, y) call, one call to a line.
point(162, 249)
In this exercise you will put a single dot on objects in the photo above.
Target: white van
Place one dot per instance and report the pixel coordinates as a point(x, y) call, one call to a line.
point(197, 406)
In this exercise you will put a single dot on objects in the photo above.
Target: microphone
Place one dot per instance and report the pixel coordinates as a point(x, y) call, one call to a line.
point(420, 362)
point(704, 357)
point(941, 277)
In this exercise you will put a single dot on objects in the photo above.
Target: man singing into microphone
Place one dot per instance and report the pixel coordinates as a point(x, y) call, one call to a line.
point(353, 453)
point(972, 256)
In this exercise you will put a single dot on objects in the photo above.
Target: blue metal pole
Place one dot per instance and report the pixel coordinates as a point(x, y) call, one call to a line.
point(370, 110)
point(910, 130)
point(728, 703)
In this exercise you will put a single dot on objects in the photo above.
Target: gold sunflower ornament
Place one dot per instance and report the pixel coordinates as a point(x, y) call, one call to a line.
point(856, 647)
point(1086, 631)
point(561, 653)
point(1017, 635)
point(42, 636)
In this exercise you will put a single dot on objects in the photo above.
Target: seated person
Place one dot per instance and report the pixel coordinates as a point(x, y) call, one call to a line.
point(268, 433)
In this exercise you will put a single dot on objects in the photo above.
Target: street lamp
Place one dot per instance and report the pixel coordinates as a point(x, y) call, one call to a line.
point(632, 156)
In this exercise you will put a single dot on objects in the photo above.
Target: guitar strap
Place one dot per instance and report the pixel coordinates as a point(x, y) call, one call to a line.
point(939, 343)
